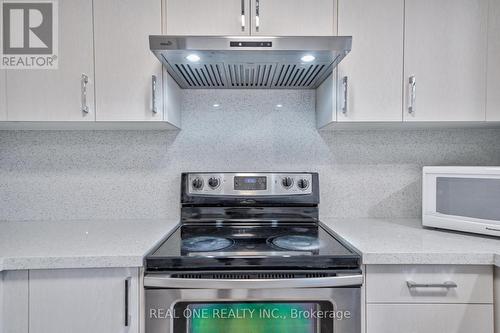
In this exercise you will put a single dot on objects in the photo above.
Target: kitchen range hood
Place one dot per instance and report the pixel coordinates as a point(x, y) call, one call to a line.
point(249, 61)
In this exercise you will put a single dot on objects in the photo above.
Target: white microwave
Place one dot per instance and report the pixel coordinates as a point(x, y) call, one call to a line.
point(462, 198)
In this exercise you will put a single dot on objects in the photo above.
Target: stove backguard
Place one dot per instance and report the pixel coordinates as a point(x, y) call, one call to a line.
point(214, 196)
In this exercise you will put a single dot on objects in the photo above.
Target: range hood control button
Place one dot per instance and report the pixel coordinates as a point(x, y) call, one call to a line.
point(197, 183)
point(287, 182)
point(213, 182)
point(303, 184)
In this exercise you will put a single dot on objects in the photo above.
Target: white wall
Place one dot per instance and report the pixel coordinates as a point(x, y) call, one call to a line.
point(134, 174)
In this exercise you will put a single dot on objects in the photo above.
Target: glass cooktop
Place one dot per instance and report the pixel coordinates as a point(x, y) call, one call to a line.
point(264, 245)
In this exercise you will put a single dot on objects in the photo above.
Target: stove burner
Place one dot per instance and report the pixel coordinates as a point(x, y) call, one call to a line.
point(206, 243)
point(296, 242)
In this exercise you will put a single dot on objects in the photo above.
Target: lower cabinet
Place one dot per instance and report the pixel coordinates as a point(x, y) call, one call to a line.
point(14, 302)
point(84, 300)
point(70, 300)
point(429, 318)
point(429, 298)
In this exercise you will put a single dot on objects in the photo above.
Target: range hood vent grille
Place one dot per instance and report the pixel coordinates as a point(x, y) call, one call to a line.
point(247, 76)
point(298, 76)
point(250, 75)
point(200, 76)
point(249, 62)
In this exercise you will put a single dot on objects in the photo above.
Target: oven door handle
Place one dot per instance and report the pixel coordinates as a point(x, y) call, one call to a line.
point(159, 281)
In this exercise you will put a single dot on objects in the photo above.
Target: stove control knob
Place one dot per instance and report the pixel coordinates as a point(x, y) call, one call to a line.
point(287, 182)
point(303, 184)
point(213, 182)
point(197, 183)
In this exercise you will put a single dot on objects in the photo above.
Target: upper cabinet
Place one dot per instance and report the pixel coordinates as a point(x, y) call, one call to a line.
point(65, 93)
point(205, 18)
point(128, 76)
point(369, 87)
point(250, 17)
point(293, 17)
point(493, 100)
point(3, 101)
point(445, 60)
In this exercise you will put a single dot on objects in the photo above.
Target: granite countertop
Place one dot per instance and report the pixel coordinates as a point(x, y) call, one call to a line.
point(124, 243)
point(79, 244)
point(404, 241)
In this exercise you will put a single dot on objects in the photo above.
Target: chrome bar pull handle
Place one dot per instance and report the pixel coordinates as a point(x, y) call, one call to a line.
point(257, 15)
point(154, 108)
point(344, 85)
point(83, 85)
point(127, 301)
point(447, 285)
point(412, 86)
point(243, 18)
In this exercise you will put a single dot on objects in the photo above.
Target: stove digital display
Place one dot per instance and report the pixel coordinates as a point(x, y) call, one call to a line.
point(250, 183)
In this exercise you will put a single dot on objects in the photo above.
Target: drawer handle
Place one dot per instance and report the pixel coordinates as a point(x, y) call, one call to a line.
point(447, 285)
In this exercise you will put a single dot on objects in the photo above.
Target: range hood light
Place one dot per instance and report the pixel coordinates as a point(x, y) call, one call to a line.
point(193, 57)
point(308, 58)
point(279, 106)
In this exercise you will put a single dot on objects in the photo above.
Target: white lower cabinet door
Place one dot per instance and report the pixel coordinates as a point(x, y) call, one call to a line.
point(445, 60)
point(61, 94)
point(84, 301)
point(370, 82)
point(493, 101)
point(429, 318)
point(124, 65)
point(14, 302)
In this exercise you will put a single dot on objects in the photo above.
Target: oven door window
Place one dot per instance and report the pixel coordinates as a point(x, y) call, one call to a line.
point(254, 317)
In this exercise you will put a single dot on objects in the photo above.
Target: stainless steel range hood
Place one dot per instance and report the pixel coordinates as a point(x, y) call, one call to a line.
point(250, 61)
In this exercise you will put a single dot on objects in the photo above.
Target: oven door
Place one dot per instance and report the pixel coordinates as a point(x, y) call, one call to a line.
point(327, 305)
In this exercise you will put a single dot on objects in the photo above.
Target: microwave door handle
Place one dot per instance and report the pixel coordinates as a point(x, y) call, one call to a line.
point(159, 281)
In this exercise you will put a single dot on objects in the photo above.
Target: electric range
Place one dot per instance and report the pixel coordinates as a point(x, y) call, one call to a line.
point(252, 241)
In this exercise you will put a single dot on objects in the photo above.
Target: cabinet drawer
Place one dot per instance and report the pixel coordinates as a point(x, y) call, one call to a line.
point(389, 284)
point(427, 318)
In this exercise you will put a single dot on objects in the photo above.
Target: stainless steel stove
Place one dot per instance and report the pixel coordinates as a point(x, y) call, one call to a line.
point(251, 243)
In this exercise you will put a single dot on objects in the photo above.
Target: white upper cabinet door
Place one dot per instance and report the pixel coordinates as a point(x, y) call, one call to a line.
point(124, 65)
point(293, 17)
point(3, 89)
point(58, 94)
point(83, 301)
point(493, 101)
point(207, 18)
point(3, 97)
point(445, 51)
point(370, 76)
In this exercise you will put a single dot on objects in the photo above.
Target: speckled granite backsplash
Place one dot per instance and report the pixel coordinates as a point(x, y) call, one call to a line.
point(136, 174)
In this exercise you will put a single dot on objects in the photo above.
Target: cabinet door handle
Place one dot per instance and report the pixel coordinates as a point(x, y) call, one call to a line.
point(127, 296)
point(83, 84)
point(344, 85)
point(412, 87)
point(447, 285)
point(257, 15)
point(154, 108)
point(243, 15)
